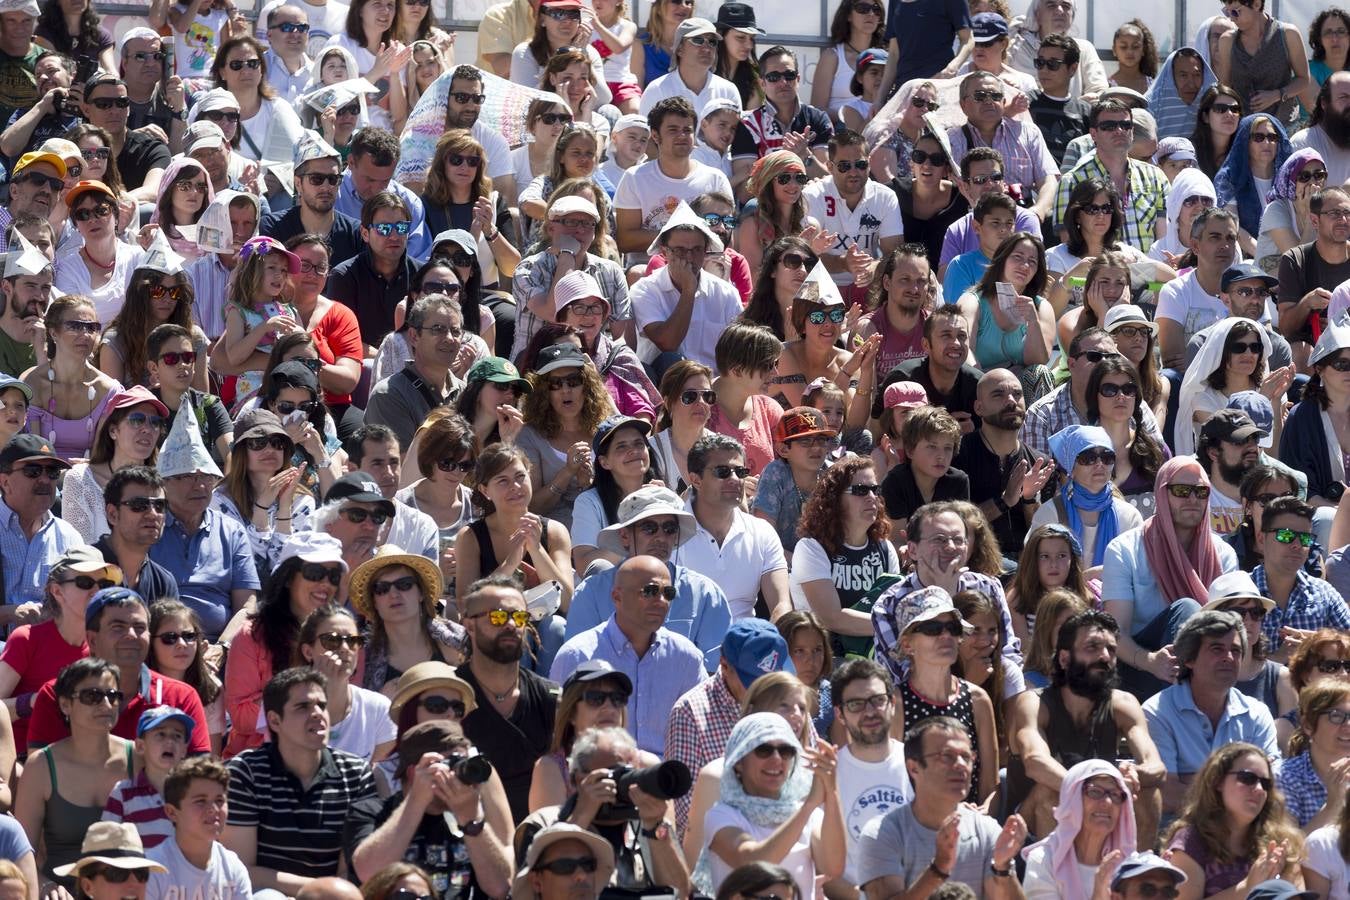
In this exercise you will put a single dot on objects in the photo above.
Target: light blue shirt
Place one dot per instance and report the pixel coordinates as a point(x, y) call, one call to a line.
point(419, 242)
point(671, 666)
point(208, 565)
point(963, 273)
point(1128, 575)
point(289, 87)
point(699, 611)
point(26, 562)
point(1185, 737)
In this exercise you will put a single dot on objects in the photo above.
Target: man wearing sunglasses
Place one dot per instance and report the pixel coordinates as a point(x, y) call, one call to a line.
point(136, 507)
point(35, 184)
point(141, 156)
point(1059, 115)
point(1204, 711)
point(371, 159)
point(154, 101)
point(691, 76)
point(31, 538)
point(288, 32)
point(1303, 603)
point(981, 173)
point(355, 512)
point(782, 122)
point(318, 174)
point(564, 862)
point(1245, 289)
point(374, 452)
point(373, 282)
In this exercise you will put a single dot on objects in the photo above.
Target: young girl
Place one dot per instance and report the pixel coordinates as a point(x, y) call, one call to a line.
point(1051, 558)
point(614, 34)
point(343, 114)
point(1137, 55)
point(177, 649)
point(865, 86)
point(427, 64)
point(255, 314)
point(828, 397)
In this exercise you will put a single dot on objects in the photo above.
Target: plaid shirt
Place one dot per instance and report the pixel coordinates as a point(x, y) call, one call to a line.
point(1145, 203)
point(1313, 604)
point(1026, 159)
point(700, 724)
point(1304, 793)
point(534, 275)
point(1055, 412)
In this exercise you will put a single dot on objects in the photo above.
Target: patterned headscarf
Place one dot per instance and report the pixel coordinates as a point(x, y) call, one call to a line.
point(1286, 179)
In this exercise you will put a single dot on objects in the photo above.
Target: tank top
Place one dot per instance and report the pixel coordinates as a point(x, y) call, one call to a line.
point(1264, 687)
point(487, 556)
point(843, 77)
point(996, 348)
point(1266, 70)
point(614, 65)
point(72, 438)
point(65, 824)
point(655, 60)
point(1071, 743)
point(896, 346)
point(917, 708)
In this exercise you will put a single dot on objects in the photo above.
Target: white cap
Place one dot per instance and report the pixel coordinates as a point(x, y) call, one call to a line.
point(631, 120)
point(212, 101)
point(21, 6)
point(26, 260)
point(819, 287)
point(685, 217)
point(202, 135)
point(160, 257)
point(138, 33)
point(184, 452)
point(573, 204)
point(577, 284)
point(718, 104)
point(63, 148)
point(313, 546)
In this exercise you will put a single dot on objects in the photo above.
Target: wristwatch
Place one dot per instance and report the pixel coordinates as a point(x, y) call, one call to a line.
point(474, 828)
point(660, 833)
point(1001, 873)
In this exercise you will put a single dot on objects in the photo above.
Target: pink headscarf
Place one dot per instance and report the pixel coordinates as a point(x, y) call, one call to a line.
point(1180, 573)
point(1059, 851)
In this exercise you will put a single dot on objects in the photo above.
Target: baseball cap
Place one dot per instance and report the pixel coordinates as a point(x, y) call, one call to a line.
point(114, 596)
point(1230, 425)
point(753, 647)
point(988, 27)
point(630, 120)
point(202, 135)
point(1279, 889)
point(25, 447)
point(153, 718)
point(135, 396)
point(294, 373)
point(924, 604)
point(693, 27)
point(87, 187)
point(86, 560)
point(498, 371)
point(800, 422)
point(1235, 585)
point(23, 6)
point(737, 16)
point(63, 148)
point(577, 284)
point(313, 547)
point(597, 670)
point(644, 503)
point(872, 56)
point(258, 422)
point(459, 237)
point(1127, 314)
point(1137, 864)
point(559, 356)
point(133, 34)
point(1174, 148)
point(358, 487)
point(605, 430)
point(905, 395)
point(573, 204)
point(1244, 270)
point(9, 381)
point(39, 156)
point(1257, 407)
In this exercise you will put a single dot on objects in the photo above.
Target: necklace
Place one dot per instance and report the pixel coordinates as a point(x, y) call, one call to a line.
point(51, 406)
point(105, 267)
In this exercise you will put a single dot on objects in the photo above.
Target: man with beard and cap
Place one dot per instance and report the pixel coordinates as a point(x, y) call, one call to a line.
point(1303, 604)
point(1228, 447)
point(1328, 130)
point(1082, 715)
point(512, 723)
point(25, 292)
point(318, 172)
point(1244, 289)
point(1308, 272)
point(1204, 710)
point(31, 538)
point(1006, 477)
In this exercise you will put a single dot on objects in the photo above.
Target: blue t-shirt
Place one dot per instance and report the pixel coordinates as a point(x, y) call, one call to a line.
point(925, 31)
point(964, 273)
point(14, 843)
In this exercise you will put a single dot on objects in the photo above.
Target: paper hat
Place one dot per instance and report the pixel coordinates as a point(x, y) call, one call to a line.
point(819, 287)
point(312, 146)
point(160, 257)
point(184, 452)
point(339, 94)
point(685, 217)
point(214, 233)
point(26, 260)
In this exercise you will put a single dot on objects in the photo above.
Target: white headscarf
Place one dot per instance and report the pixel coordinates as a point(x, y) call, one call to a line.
point(1188, 183)
point(1193, 386)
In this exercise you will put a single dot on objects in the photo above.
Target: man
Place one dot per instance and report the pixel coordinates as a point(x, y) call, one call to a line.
point(154, 101)
point(1203, 711)
point(374, 452)
point(1303, 604)
point(993, 218)
point(354, 511)
point(205, 143)
point(783, 122)
point(371, 161)
point(981, 174)
point(701, 720)
point(1005, 476)
point(864, 216)
point(1174, 96)
point(654, 522)
point(744, 550)
point(1328, 130)
point(564, 862)
point(374, 281)
point(435, 333)
point(141, 157)
point(18, 56)
point(1029, 166)
point(1308, 272)
point(466, 858)
point(288, 66)
point(31, 538)
point(1188, 303)
point(318, 172)
point(513, 721)
point(947, 379)
point(290, 797)
point(569, 226)
point(207, 554)
point(627, 144)
point(660, 664)
point(919, 42)
point(1145, 875)
point(1082, 715)
point(916, 848)
point(1228, 448)
point(1059, 115)
point(648, 193)
point(680, 309)
point(1245, 289)
point(869, 770)
point(1143, 187)
point(117, 629)
point(464, 103)
point(503, 26)
point(691, 76)
point(906, 283)
point(25, 291)
point(135, 505)
point(236, 214)
point(49, 118)
point(35, 184)
point(719, 212)
point(326, 18)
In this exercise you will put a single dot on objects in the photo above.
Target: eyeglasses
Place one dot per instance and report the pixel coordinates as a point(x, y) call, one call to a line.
point(707, 40)
point(1255, 613)
point(864, 490)
point(99, 210)
point(1337, 717)
point(1116, 125)
point(788, 177)
point(74, 170)
point(575, 222)
point(385, 229)
point(318, 179)
point(565, 866)
point(784, 75)
point(33, 471)
point(439, 706)
point(1332, 666)
point(1092, 356)
point(37, 179)
point(144, 55)
point(937, 627)
point(464, 99)
point(286, 407)
point(987, 96)
point(1289, 535)
point(920, 103)
point(1226, 109)
point(715, 221)
point(1184, 491)
point(571, 382)
point(309, 268)
point(406, 583)
point(459, 159)
point(94, 697)
point(689, 398)
point(274, 441)
point(94, 154)
point(858, 165)
point(499, 617)
point(652, 591)
point(317, 572)
point(292, 28)
point(563, 15)
point(358, 516)
point(724, 472)
point(1098, 793)
point(650, 529)
point(1129, 389)
point(858, 704)
point(596, 698)
point(1198, 200)
point(171, 638)
point(237, 65)
point(1248, 293)
point(586, 309)
point(1263, 138)
point(1095, 457)
point(145, 504)
point(795, 261)
point(555, 118)
point(106, 103)
point(1306, 176)
point(187, 186)
point(782, 751)
point(1097, 209)
point(1248, 778)
point(464, 465)
point(334, 641)
point(991, 178)
point(1054, 65)
point(1244, 347)
point(220, 115)
point(1340, 364)
point(920, 157)
point(88, 583)
point(818, 316)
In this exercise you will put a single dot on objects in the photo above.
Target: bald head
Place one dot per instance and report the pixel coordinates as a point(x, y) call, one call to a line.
point(329, 889)
point(999, 401)
point(642, 596)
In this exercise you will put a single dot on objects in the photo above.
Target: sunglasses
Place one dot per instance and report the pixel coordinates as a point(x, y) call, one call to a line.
point(652, 591)
point(237, 65)
point(351, 109)
point(142, 420)
point(570, 381)
point(800, 178)
point(274, 441)
point(1093, 457)
point(463, 98)
point(920, 103)
point(106, 103)
point(96, 153)
point(1092, 356)
point(380, 588)
point(987, 96)
point(1248, 293)
point(404, 893)
point(1289, 535)
point(440, 287)
point(1255, 613)
point(114, 875)
point(88, 583)
point(1264, 138)
point(334, 641)
point(1332, 666)
point(1184, 491)
point(317, 572)
point(38, 180)
point(317, 179)
point(1054, 65)
point(144, 55)
point(499, 617)
point(170, 638)
point(74, 170)
point(555, 118)
point(1133, 331)
point(858, 704)
point(97, 211)
point(459, 159)
point(867, 9)
point(689, 398)
point(651, 529)
point(144, 504)
point(859, 165)
point(1340, 364)
point(1244, 347)
point(1266, 499)
point(818, 316)
point(33, 471)
point(94, 696)
point(286, 407)
point(920, 157)
point(292, 28)
point(936, 627)
point(707, 40)
point(784, 75)
point(596, 698)
point(1197, 200)
point(1116, 125)
point(567, 865)
point(385, 229)
point(795, 261)
point(724, 472)
point(439, 706)
point(1111, 390)
point(1226, 109)
point(219, 116)
point(1305, 176)
point(991, 178)
point(563, 15)
point(864, 490)
point(1098, 209)
point(1248, 778)
point(359, 516)
point(464, 465)
point(782, 751)
point(159, 291)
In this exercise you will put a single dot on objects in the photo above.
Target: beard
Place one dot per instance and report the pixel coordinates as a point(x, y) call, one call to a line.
point(1337, 126)
point(1095, 682)
point(497, 651)
point(863, 737)
point(1006, 419)
point(1233, 473)
point(321, 205)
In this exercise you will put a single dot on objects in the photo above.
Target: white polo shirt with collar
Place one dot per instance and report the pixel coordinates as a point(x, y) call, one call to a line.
point(751, 551)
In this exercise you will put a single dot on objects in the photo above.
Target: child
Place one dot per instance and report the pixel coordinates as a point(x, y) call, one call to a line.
point(627, 146)
point(255, 314)
point(715, 132)
point(802, 442)
point(196, 801)
point(184, 659)
point(162, 736)
point(930, 437)
point(995, 218)
point(614, 34)
point(828, 398)
point(898, 401)
point(865, 86)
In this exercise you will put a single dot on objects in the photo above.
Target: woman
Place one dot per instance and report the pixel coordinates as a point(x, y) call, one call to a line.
point(575, 155)
point(333, 326)
point(307, 576)
point(372, 36)
point(102, 270)
point(65, 785)
point(781, 802)
point(330, 642)
point(818, 315)
point(1093, 223)
point(654, 50)
point(747, 356)
point(557, 27)
point(429, 61)
point(1052, 558)
point(857, 25)
point(128, 435)
point(1136, 335)
point(474, 263)
point(1263, 60)
point(1329, 37)
point(178, 650)
point(580, 303)
point(737, 58)
point(562, 413)
point(427, 692)
point(396, 595)
point(1233, 832)
point(1311, 777)
point(572, 75)
point(992, 57)
point(268, 126)
point(1259, 677)
point(1136, 54)
point(1216, 122)
point(688, 400)
point(1319, 426)
point(459, 192)
point(69, 395)
point(1106, 285)
point(1113, 403)
point(1190, 194)
point(1320, 659)
point(74, 29)
point(290, 384)
point(545, 121)
point(1017, 339)
point(1087, 501)
point(1233, 358)
point(491, 402)
point(897, 127)
point(842, 552)
point(929, 198)
point(1094, 817)
point(784, 266)
point(759, 879)
point(160, 293)
point(1286, 220)
point(184, 193)
point(1247, 176)
point(112, 863)
point(623, 464)
point(776, 182)
point(445, 457)
point(398, 881)
point(981, 661)
point(1055, 608)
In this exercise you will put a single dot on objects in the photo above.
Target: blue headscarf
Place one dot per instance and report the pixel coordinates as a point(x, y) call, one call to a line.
point(1233, 182)
point(1066, 444)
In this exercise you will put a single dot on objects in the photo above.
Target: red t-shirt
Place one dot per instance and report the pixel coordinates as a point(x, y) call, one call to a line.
point(38, 653)
point(337, 336)
point(47, 726)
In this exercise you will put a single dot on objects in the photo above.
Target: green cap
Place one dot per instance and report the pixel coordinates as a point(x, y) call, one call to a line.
point(498, 371)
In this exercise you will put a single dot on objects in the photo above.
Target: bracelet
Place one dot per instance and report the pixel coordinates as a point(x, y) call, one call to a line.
point(932, 867)
point(1001, 873)
point(556, 491)
point(492, 237)
point(284, 518)
point(260, 506)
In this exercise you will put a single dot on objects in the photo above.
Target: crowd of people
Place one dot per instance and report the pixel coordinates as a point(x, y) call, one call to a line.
point(614, 467)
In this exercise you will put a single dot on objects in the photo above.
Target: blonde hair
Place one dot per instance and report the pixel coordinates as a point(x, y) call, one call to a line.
point(767, 691)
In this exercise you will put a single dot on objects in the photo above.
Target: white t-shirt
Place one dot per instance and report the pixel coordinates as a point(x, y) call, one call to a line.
point(645, 187)
point(195, 49)
point(366, 725)
point(672, 85)
point(497, 152)
point(1323, 856)
point(876, 217)
point(750, 551)
point(711, 158)
point(716, 304)
point(73, 278)
point(868, 790)
point(224, 878)
point(798, 860)
point(525, 71)
point(1183, 300)
point(1039, 882)
point(272, 133)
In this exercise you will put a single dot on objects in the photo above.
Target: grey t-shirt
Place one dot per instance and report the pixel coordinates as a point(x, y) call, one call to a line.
point(896, 844)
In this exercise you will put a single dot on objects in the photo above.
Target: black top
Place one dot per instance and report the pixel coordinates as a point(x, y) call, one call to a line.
point(154, 111)
point(1060, 121)
point(439, 853)
point(929, 232)
point(141, 153)
point(49, 126)
point(988, 479)
point(213, 419)
point(513, 745)
point(960, 399)
point(901, 493)
point(154, 582)
point(344, 238)
point(1302, 268)
point(369, 294)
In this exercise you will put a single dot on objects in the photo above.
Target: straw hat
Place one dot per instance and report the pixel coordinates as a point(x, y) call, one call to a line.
point(114, 844)
point(426, 676)
point(388, 555)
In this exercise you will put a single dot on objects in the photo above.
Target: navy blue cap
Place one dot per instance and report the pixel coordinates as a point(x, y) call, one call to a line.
point(1137, 864)
point(597, 670)
point(153, 718)
point(113, 596)
point(1244, 270)
point(988, 27)
point(1279, 889)
point(754, 647)
point(612, 424)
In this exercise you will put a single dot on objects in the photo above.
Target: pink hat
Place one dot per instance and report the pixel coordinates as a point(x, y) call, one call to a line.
point(576, 285)
point(135, 396)
point(905, 395)
point(261, 246)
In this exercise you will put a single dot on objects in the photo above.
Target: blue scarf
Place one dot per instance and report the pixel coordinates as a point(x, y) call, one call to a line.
point(1233, 181)
point(1077, 500)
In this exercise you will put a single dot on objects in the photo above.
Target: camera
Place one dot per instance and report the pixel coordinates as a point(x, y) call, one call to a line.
point(667, 781)
point(468, 769)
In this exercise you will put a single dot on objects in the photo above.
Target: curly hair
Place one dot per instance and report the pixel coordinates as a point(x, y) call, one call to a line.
point(134, 324)
point(1146, 454)
point(1027, 590)
point(1218, 379)
point(1319, 50)
point(1148, 63)
point(823, 515)
point(1304, 660)
point(763, 308)
point(462, 143)
point(761, 184)
point(595, 403)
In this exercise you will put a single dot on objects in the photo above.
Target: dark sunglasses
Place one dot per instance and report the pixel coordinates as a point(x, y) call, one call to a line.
point(95, 696)
point(1340, 364)
point(292, 28)
point(651, 529)
point(94, 154)
point(846, 165)
point(1332, 666)
point(991, 178)
point(499, 617)
point(1244, 347)
point(38, 180)
point(439, 706)
point(867, 9)
point(274, 441)
point(317, 572)
point(818, 316)
point(652, 591)
point(159, 292)
point(1097, 209)
point(1264, 138)
point(170, 638)
point(1255, 613)
point(987, 96)
point(1266, 499)
point(97, 211)
point(1092, 457)
point(286, 407)
point(33, 471)
point(106, 103)
point(88, 582)
point(463, 465)
point(1305, 176)
point(380, 588)
point(555, 118)
point(567, 865)
point(1129, 389)
point(142, 420)
point(385, 229)
point(782, 751)
point(795, 261)
point(920, 157)
point(920, 103)
point(864, 490)
point(1248, 778)
point(144, 55)
point(1226, 109)
point(318, 179)
point(570, 381)
point(359, 516)
point(1054, 65)
point(724, 472)
point(784, 75)
point(1093, 356)
point(1289, 535)
point(1183, 491)
point(219, 115)
point(237, 65)
point(689, 398)
point(144, 504)
point(114, 875)
point(563, 15)
point(716, 221)
point(1116, 125)
point(596, 698)
point(351, 109)
point(459, 159)
point(705, 40)
point(788, 177)
point(935, 627)
point(441, 287)
point(335, 642)
point(404, 893)
point(463, 98)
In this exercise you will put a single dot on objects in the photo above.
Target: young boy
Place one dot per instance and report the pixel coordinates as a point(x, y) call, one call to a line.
point(802, 440)
point(930, 437)
point(162, 736)
point(199, 866)
point(994, 220)
point(715, 132)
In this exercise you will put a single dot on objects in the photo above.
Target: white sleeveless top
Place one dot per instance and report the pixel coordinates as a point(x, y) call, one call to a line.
point(843, 75)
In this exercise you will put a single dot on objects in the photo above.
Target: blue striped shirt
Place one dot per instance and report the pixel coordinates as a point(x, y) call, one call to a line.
point(25, 562)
